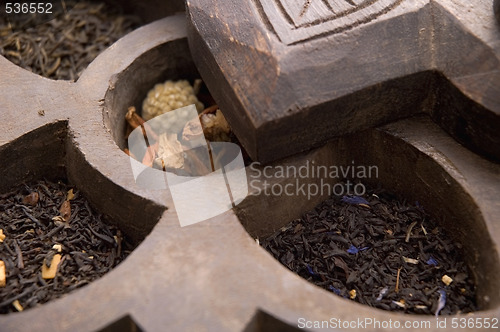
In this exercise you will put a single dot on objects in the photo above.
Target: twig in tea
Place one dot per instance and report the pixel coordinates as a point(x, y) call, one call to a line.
point(396, 289)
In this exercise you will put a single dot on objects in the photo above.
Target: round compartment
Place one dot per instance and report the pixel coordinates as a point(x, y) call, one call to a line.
point(60, 223)
point(167, 61)
point(413, 159)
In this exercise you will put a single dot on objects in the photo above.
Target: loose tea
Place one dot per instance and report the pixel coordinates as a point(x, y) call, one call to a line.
point(379, 251)
point(53, 242)
point(63, 47)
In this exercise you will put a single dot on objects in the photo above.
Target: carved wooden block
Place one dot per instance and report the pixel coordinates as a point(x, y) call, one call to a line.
point(290, 75)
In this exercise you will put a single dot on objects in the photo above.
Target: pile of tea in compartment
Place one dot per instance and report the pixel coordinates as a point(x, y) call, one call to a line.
point(64, 46)
point(380, 251)
point(52, 242)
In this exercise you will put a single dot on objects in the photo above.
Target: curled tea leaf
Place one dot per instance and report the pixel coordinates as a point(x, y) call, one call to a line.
point(31, 199)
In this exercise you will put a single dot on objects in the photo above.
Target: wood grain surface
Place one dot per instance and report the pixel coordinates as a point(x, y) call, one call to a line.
point(290, 75)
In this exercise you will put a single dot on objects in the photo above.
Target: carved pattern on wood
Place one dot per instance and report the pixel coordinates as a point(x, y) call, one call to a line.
point(296, 21)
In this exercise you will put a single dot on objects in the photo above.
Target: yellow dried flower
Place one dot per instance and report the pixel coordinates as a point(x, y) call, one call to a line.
point(168, 96)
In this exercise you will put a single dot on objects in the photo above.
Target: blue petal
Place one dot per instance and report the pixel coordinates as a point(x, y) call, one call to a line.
point(442, 301)
point(432, 261)
point(353, 250)
point(310, 270)
point(333, 289)
point(354, 200)
point(383, 291)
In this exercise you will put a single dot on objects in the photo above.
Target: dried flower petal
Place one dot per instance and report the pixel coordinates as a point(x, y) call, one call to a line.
point(352, 294)
point(169, 96)
point(70, 195)
point(441, 301)
point(354, 200)
point(432, 261)
point(353, 250)
point(382, 293)
point(333, 289)
point(2, 235)
point(169, 152)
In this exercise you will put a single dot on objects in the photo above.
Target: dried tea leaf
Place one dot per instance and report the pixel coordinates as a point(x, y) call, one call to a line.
point(3, 276)
point(31, 199)
point(65, 211)
point(408, 232)
point(192, 130)
point(340, 263)
point(50, 272)
point(70, 195)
